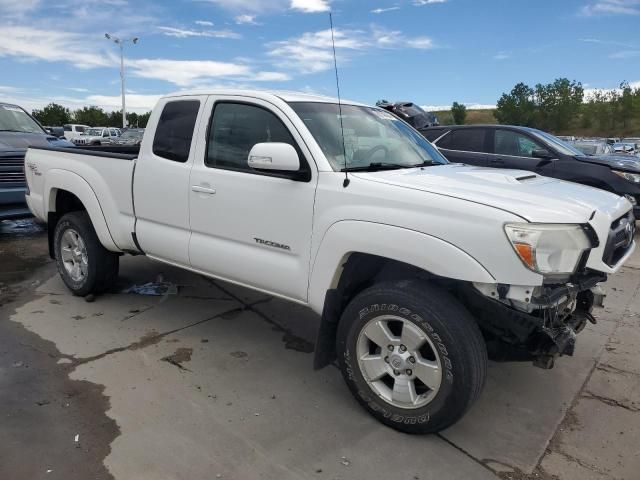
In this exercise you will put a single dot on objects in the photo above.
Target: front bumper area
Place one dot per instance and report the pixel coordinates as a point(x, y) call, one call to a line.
point(544, 334)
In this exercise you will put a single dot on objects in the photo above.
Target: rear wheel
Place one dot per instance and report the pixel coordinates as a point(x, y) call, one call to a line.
point(83, 263)
point(411, 355)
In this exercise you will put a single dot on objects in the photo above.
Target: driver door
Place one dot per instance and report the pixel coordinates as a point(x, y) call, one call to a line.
point(247, 226)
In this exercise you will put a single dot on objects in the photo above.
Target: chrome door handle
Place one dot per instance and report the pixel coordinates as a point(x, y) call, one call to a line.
point(199, 189)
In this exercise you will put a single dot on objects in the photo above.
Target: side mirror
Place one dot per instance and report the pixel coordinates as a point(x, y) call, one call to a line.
point(274, 156)
point(542, 153)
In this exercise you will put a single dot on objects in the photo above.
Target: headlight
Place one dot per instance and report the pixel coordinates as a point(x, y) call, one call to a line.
point(548, 248)
point(632, 177)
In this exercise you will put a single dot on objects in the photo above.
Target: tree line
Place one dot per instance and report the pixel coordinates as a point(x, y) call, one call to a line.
point(56, 115)
point(561, 106)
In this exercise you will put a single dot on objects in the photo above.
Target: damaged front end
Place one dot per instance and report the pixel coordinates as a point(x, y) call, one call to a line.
point(540, 327)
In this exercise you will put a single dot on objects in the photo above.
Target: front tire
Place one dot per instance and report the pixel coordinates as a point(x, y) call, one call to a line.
point(83, 263)
point(412, 355)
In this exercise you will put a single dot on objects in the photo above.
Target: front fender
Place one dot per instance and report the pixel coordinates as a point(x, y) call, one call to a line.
point(424, 251)
point(56, 180)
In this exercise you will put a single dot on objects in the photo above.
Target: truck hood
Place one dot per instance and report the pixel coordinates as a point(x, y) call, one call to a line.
point(628, 163)
point(523, 193)
point(17, 141)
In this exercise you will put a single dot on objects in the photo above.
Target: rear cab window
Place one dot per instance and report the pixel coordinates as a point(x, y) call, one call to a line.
point(174, 131)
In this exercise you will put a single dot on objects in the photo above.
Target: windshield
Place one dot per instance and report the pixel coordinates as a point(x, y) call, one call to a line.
point(589, 148)
point(14, 119)
point(94, 132)
point(371, 136)
point(561, 146)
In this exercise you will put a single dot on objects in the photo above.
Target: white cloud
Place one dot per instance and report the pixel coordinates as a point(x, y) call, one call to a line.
point(310, 6)
point(312, 51)
point(246, 19)
point(18, 6)
point(186, 33)
point(383, 10)
point(135, 102)
point(26, 43)
point(501, 56)
point(204, 23)
point(590, 92)
point(420, 3)
point(606, 42)
point(611, 7)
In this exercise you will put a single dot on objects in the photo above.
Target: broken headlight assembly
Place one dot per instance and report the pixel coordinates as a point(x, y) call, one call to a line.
point(548, 249)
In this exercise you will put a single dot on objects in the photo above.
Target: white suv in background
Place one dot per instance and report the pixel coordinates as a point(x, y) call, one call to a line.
point(73, 130)
point(97, 136)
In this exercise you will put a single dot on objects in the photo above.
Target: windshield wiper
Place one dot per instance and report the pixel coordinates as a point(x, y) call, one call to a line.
point(376, 166)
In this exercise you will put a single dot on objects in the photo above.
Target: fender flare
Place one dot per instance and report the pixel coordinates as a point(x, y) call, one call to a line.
point(58, 179)
point(427, 252)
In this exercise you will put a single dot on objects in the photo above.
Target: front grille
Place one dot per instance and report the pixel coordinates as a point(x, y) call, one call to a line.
point(620, 239)
point(11, 170)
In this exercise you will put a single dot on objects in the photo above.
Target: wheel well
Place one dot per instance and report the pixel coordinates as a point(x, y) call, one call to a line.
point(65, 202)
point(360, 271)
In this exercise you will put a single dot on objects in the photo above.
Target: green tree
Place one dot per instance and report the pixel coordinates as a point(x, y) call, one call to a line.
point(93, 116)
point(143, 119)
point(54, 115)
point(626, 104)
point(516, 107)
point(557, 103)
point(459, 112)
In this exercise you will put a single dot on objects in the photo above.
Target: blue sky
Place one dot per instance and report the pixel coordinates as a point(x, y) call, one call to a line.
point(432, 52)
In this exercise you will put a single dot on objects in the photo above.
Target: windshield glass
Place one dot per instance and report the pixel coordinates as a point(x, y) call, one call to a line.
point(94, 132)
point(562, 147)
point(371, 136)
point(16, 120)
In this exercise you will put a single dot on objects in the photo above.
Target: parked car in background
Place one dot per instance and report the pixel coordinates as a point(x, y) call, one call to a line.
point(524, 148)
point(625, 148)
point(567, 138)
point(97, 136)
point(131, 136)
point(634, 140)
point(411, 113)
point(73, 130)
point(18, 131)
point(593, 147)
point(55, 131)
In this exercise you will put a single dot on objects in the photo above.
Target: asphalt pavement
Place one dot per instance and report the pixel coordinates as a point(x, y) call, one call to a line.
point(209, 380)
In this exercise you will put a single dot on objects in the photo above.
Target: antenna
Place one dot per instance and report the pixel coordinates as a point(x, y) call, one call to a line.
point(346, 182)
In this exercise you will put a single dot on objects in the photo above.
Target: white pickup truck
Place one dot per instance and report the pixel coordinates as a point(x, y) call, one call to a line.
point(420, 269)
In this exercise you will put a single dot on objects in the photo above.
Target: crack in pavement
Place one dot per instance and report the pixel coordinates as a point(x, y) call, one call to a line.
point(609, 401)
point(152, 338)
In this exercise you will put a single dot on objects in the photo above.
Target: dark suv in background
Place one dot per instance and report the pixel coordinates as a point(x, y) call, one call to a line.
point(18, 131)
point(523, 148)
point(411, 113)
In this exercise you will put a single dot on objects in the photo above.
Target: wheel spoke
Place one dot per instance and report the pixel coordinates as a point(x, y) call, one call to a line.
point(412, 337)
point(83, 267)
point(373, 367)
point(67, 256)
point(404, 391)
point(428, 372)
point(378, 332)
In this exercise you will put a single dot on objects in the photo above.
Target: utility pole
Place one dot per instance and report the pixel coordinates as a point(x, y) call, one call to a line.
point(120, 42)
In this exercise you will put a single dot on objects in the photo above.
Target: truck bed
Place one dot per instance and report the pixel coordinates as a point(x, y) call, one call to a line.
point(104, 174)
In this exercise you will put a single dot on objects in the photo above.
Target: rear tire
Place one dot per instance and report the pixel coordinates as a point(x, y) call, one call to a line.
point(412, 355)
point(83, 263)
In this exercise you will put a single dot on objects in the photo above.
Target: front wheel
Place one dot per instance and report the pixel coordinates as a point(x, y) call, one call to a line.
point(411, 355)
point(83, 263)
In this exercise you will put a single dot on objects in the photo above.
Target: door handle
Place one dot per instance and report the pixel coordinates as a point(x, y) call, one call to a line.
point(199, 189)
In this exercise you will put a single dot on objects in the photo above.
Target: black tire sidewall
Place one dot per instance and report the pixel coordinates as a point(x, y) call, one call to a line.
point(79, 222)
point(453, 396)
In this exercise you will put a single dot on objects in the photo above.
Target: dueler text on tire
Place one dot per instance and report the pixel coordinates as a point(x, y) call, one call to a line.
point(412, 355)
point(84, 264)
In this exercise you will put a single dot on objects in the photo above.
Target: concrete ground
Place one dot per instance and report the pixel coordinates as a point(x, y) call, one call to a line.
point(216, 381)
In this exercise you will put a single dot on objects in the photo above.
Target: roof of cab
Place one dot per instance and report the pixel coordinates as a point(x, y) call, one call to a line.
point(287, 96)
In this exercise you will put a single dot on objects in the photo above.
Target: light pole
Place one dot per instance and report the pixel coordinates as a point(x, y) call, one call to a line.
point(121, 42)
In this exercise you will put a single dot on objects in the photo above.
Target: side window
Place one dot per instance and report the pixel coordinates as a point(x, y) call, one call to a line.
point(465, 139)
point(79, 129)
point(66, 128)
point(508, 142)
point(105, 132)
point(236, 128)
point(432, 134)
point(175, 130)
